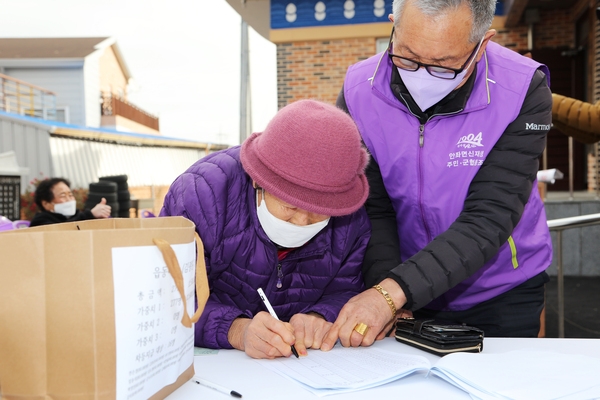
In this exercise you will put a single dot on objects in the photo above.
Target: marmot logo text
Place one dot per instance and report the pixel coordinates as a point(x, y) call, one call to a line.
point(536, 127)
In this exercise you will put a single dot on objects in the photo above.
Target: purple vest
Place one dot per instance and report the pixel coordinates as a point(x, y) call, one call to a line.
point(427, 169)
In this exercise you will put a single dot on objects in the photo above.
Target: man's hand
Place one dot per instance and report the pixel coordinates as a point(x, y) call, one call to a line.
point(262, 336)
point(101, 210)
point(309, 329)
point(370, 308)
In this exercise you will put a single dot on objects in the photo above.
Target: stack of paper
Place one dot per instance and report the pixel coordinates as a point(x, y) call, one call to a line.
point(522, 375)
point(347, 369)
point(515, 375)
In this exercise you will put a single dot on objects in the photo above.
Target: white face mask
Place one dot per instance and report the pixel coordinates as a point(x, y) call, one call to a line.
point(68, 208)
point(427, 90)
point(282, 232)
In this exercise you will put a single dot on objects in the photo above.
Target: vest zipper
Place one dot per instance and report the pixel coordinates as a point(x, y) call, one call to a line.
point(294, 255)
point(421, 180)
point(279, 276)
point(421, 144)
point(420, 166)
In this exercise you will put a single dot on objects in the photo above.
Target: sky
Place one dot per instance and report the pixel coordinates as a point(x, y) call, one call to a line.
point(184, 56)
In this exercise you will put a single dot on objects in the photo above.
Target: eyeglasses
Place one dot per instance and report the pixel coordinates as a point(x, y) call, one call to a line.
point(434, 70)
point(66, 196)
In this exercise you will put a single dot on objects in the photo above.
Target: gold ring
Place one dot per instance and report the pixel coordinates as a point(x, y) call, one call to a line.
point(361, 328)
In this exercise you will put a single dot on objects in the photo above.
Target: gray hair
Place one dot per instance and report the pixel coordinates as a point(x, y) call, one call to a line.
point(481, 10)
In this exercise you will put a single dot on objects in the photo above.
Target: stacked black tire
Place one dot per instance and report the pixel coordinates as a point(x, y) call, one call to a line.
point(100, 190)
point(116, 192)
point(123, 195)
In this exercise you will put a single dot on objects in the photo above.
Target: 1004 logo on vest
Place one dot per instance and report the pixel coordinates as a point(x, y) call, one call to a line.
point(469, 141)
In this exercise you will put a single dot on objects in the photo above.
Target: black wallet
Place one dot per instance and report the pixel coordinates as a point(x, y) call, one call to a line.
point(437, 337)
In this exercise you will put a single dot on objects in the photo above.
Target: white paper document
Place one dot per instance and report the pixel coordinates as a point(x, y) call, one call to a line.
point(522, 375)
point(518, 375)
point(153, 347)
point(346, 369)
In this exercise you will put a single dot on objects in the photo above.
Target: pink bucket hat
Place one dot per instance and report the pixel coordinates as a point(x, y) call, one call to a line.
point(311, 156)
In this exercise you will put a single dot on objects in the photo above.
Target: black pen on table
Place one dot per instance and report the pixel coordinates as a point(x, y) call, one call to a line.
point(216, 387)
point(273, 314)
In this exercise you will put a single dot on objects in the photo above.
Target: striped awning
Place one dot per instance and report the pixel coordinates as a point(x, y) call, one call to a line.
point(83, 161)
point(83, 154)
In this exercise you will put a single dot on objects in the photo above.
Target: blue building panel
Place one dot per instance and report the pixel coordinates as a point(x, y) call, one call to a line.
point(500, 8)
point(308, 13)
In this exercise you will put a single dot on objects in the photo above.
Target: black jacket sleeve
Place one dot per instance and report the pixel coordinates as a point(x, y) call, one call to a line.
point(49, 218)
point(81, 216)
point(493, 207)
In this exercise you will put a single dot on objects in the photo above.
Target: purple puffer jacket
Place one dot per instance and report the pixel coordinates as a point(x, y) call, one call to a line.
point(321, 276)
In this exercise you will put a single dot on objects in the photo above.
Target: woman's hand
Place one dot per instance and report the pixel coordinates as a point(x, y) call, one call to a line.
point(309, 329)
point(262, 336)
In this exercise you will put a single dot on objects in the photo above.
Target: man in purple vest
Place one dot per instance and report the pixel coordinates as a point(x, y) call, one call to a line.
point(455, 125)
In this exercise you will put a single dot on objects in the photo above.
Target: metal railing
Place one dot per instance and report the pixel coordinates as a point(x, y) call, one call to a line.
point(114, 105)
point(23, 98)
point(558, 226)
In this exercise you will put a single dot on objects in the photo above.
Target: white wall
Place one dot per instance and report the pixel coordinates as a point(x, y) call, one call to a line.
point(67, 83)
point(83, 161)
point(31, 143)
point(91, 87)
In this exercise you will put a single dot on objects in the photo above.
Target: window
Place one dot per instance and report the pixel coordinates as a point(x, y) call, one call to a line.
point(60, 114)
point(382, 44)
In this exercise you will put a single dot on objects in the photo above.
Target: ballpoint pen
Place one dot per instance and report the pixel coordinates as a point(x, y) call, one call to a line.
point(216, 387)
point(273, 314)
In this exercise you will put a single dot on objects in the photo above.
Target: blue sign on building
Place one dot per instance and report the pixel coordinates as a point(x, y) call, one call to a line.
point(500, 7)
point(304, 13)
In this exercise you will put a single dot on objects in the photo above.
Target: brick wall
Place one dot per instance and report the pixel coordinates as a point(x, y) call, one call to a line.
point(593, 162)
point(316, 69)
point(515, 38)
point(596, 96)
point(555, 29)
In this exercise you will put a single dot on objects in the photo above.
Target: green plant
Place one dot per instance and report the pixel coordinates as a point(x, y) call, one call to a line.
point(28, 206)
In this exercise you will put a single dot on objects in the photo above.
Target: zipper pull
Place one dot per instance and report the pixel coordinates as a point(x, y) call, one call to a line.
point(421, 136)
point(279, 276)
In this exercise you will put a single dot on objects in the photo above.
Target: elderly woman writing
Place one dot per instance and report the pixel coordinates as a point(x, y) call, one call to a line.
point(282, 212)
